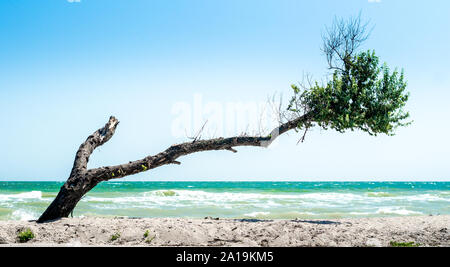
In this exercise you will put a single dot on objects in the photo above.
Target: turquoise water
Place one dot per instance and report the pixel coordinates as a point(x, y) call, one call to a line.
point(259, 200)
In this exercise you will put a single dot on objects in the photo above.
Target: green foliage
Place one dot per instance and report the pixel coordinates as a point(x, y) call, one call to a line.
point(360, 94)
point(403, 244)
point(146, 234)
point(25, 236)
point(115, 236)
point(364, 95)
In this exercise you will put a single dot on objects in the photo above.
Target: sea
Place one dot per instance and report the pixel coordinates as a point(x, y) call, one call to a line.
point(246, 200)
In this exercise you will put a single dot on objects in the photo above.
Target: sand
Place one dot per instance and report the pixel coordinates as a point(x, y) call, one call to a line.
point(96, 231)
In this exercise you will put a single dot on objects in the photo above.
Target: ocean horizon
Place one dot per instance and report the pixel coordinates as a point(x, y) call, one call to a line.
point(26, 200)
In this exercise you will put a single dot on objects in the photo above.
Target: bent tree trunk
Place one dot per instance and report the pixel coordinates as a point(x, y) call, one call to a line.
point(82, 180)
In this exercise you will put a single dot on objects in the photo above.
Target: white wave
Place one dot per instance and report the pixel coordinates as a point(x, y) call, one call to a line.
point(193, 195)
point(409, 198)
point(178, 198)
point(256, 214)
point(396, 210)
point(21, 196)
point(23, 215)
point(333, 197)
point(426, 197)
point(379, 194)
point(249, 197)
point(174, 199)
point(291, 214)
point(279, 215)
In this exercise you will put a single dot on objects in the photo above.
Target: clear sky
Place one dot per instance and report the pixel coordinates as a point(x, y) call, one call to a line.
point(66, 66)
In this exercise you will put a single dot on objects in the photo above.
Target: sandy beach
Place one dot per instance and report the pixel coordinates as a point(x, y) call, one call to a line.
point(97, 231)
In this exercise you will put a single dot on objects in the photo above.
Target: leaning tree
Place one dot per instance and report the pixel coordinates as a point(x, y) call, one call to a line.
point(360, 94)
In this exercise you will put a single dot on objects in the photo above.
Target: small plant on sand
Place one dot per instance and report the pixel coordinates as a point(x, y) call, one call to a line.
point(404, 244)
point(115, 236)
point(25, 236)
point(149, 240)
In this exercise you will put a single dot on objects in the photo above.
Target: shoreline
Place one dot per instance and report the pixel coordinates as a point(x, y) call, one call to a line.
point(361, 232)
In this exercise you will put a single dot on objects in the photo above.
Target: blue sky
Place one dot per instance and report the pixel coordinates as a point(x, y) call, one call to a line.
point(65, 67)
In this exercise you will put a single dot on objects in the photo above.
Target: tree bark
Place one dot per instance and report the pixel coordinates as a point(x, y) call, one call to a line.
point(82, 180)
